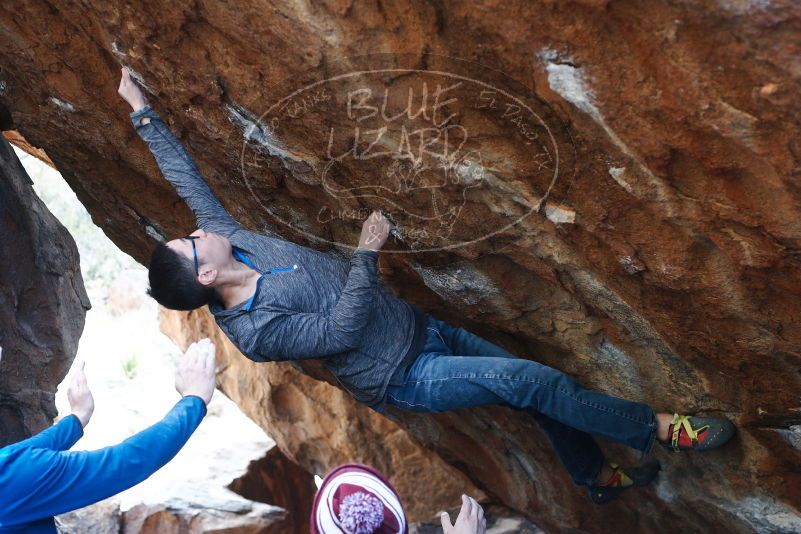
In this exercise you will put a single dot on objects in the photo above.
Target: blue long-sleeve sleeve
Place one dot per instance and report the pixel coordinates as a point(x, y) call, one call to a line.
point(58, 437)
point(37, 483)
point(180, 170)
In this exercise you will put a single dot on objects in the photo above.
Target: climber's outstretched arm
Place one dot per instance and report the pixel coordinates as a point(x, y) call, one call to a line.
point(175, 163)
point(40, 479)
point(45, 482)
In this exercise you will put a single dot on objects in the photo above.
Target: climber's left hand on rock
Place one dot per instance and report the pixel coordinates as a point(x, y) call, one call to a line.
point(375, 231)
point(130, 92)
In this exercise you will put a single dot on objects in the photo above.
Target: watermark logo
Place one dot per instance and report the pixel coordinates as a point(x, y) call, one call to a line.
point(452, 152)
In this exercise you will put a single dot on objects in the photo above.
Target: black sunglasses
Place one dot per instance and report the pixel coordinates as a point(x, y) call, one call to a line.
point(192, 238)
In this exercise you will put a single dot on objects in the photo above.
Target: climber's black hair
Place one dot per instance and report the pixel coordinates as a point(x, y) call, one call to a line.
point(173, 283)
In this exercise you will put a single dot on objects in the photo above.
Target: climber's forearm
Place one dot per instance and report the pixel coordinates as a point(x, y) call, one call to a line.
point(180, 170)
point(58, 437)
point(40, 483)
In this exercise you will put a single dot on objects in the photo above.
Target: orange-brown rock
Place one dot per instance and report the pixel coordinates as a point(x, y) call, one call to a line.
point(275, 479)
point(658, 262)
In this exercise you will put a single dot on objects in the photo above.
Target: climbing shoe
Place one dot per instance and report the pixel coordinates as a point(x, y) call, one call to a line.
point(688, 433)
point(623, 479)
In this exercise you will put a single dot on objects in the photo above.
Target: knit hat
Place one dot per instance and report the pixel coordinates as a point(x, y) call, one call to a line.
point(357, 499)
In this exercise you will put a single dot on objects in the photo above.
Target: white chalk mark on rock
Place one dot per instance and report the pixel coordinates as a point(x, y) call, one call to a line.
point(151, 231)
point(765, 514)
point(568, 81)
point(618, 175)
point(742, 7)
point(559, 214)
point(631, 264)
point(140, 80)
point(255, 131)
point(62, 104)
point(792, 435)
point(463, 282)
point(262, 136)
point(115, 48)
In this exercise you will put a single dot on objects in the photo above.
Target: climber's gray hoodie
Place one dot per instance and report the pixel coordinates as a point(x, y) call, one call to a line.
point(326, 308)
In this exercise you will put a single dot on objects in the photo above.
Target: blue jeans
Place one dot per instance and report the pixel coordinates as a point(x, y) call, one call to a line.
point(457, 369)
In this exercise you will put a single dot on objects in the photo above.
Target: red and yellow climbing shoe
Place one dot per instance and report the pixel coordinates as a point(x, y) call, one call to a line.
point(623, 479)
point(687, 433)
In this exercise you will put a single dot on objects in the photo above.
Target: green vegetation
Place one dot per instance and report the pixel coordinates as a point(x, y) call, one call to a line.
point(130, 365)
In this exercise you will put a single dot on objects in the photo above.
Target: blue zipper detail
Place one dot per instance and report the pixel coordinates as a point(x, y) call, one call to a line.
point(244, 259)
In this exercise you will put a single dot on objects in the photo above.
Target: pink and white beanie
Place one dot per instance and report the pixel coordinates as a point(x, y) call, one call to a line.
point(357, 499)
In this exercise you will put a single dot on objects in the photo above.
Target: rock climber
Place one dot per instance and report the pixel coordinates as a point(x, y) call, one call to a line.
point(279, 301)
point(40, 478)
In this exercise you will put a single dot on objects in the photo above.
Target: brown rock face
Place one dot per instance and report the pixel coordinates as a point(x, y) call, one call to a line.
point(103, 517)
point(275, 479)
point(231, 517)
point(626, 211)
point(42, 304)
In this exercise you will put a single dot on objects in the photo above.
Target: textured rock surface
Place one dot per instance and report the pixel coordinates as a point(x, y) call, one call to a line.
point(223, 513)
point(663, 265)
point(275, 479)
point(320, 427)
point(234, 516)
point(103, 517)
point(42, 304)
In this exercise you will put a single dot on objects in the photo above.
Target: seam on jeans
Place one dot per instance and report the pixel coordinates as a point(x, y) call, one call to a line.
point(534, 381)
point(410, 404)
point(652, 438)
point(439, 335)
